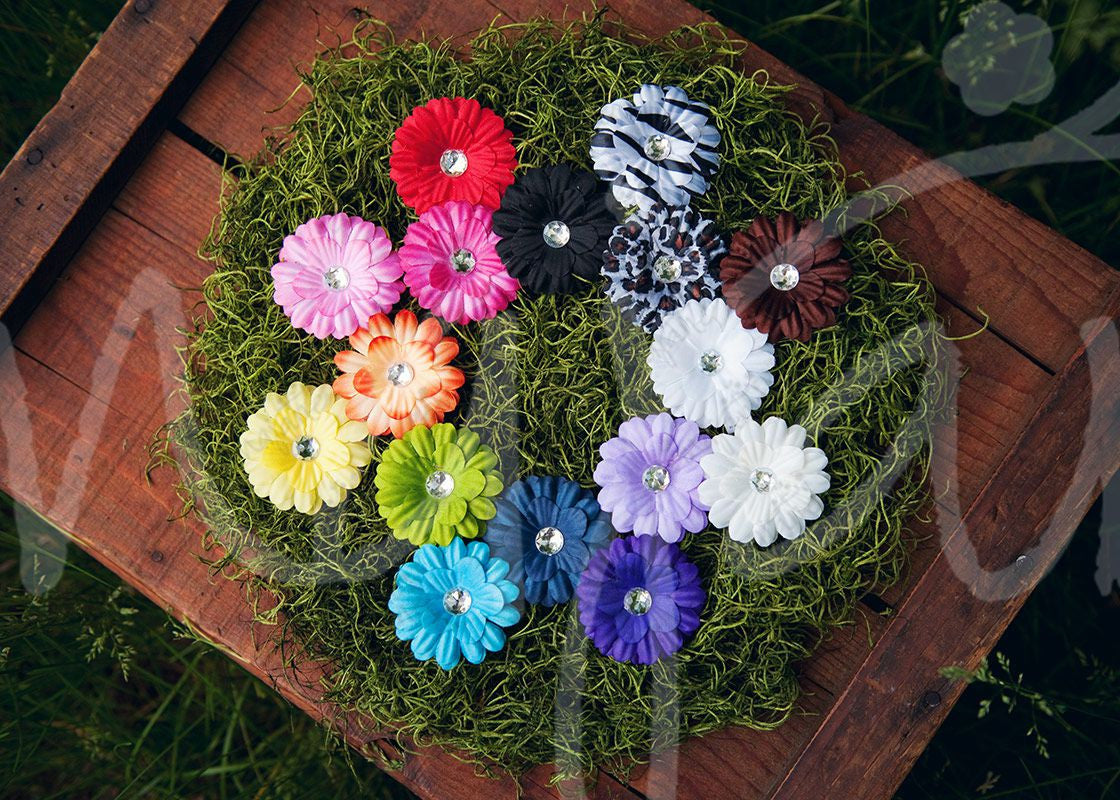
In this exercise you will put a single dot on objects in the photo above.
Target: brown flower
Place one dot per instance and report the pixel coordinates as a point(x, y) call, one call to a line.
point(783, 278)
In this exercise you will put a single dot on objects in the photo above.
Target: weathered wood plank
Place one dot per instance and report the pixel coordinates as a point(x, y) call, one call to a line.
point(75, 161)
point(959, 606)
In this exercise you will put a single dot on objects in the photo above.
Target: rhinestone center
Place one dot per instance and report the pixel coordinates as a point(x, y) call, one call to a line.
point(638, 601)
point(453, 163)
point(400, 374)
point(668, 268)
point(462, 261)
point(457, 601)
point(658, 147)
point(710, 361)
point(761, 479)
point(656, 478)
point(305, 448)
point(549, 540)
point(439, 484)
point(784, 277)
point(556, 234)
point(336, 278)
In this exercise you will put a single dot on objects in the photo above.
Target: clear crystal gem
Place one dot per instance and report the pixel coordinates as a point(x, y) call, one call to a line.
point(550, 541)
point(439, 484)
point(784, 277)
point(638, 601)
point(336, 279)
point(556, 234)
point(658, 147)
point(457, 601)
point(668, 268)
point(711, 361)
point(400, 374)
point(305, 448)
point(656, 478)
point(761, 479)
point(462, 260)
point(453, 163)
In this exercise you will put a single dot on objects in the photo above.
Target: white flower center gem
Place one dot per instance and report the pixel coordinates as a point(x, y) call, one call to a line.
point(667, 268)
point(439, 484)
point(400, 374)
point(305, 448)
point(784, 277)
point(761, 479)
point(462, 261)
point(336, 279)
point(656, 478)
point(453, 163)
point(457, 601)
point(638, 601)
point(556, 234)
point(658, 147)
point(710, 361)
point(550, 540)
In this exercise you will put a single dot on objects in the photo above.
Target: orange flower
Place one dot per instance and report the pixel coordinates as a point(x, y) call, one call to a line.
point(398, 375)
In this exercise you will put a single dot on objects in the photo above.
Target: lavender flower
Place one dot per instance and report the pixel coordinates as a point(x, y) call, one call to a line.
point(650, 474)
point(639, 599)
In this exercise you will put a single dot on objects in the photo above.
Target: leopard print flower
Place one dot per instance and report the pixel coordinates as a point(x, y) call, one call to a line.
point(657, 261)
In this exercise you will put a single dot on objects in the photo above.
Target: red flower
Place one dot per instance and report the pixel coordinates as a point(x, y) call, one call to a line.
point(783, 277)
point(452, 149)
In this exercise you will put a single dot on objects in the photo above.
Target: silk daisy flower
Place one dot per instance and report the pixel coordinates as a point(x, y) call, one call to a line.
point(762, 482)
point(547, 528)
point(399, 374)
point(334, 273)
point(452, 602)
point(301, 450)
point(452, 148)
point(707, 367)
point(640, 599)
point(649, 476)
point(657, 261)
point(437, 483)
point(657, 146)
point(451, 265)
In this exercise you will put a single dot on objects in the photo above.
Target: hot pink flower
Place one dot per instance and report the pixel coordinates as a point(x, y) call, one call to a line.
point(334, 273)
point(451, 266)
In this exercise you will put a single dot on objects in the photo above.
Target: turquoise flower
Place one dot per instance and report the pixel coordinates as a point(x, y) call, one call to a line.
point(453, 601)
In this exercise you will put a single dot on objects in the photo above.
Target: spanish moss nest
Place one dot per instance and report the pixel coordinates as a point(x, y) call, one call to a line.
point(548, 381)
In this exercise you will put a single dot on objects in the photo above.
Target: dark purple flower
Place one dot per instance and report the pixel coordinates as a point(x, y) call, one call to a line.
point(639, 599)
point(650, 475)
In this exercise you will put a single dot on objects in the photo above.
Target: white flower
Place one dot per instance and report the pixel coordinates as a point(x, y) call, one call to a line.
point(762, 481)
point(658, 145)
point(707, 367)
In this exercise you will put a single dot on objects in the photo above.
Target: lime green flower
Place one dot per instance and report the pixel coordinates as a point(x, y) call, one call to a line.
point(437, 483)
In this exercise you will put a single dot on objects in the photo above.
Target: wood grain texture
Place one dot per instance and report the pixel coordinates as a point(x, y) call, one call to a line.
point(91, 377)
point(77, 158)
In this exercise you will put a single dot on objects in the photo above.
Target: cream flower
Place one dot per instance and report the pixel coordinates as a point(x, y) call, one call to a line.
point(300, 449)
point(707, 367)
point(762, 481)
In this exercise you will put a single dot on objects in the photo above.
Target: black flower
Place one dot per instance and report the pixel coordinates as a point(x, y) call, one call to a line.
point(553, 223)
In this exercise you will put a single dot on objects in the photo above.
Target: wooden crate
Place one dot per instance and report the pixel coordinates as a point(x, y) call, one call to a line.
point(108, 200)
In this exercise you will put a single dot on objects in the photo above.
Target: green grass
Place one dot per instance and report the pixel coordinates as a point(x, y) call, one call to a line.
point(81, 730)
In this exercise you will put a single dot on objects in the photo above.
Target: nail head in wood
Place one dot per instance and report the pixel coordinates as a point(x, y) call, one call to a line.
point(142, 6)
point(35, 156)
point(931, 699)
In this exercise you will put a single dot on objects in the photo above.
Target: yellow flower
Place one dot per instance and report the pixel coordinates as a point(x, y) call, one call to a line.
point(301, 450)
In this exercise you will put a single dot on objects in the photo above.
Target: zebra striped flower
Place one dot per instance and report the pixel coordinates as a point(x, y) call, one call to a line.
point(656, 146)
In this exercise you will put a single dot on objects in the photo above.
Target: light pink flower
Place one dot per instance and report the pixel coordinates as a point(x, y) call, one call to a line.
point(334, 273)
point(451, 266)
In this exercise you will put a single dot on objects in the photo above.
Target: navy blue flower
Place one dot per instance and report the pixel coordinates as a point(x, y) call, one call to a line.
point(547, 529)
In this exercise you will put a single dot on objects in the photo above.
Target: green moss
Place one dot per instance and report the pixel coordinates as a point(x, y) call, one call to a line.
point(548, 381)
